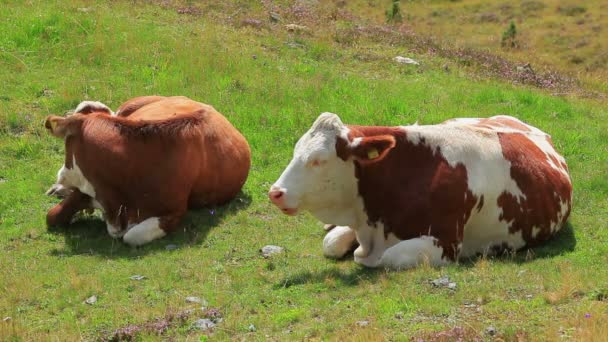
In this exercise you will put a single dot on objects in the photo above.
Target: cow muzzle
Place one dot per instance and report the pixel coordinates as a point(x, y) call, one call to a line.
point(277, 196)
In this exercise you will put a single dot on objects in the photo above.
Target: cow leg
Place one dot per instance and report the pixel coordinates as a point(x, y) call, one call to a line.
point(410, 253)
point(339, 241)
point(151, 229)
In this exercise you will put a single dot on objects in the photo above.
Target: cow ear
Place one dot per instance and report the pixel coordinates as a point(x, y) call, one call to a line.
point(372, 149)
point(57, 125)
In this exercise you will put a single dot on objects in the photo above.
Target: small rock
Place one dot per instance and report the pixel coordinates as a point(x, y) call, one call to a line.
point(529, 297)
point(491, 331)
point(444, 281)
point(137, 277)
point(197, 300)
point(171, 247)
point(203, 324)
point(6, 319)
point(91, 300)
point(275, 17)
point(399, 315)
point(362, 323)
point(406, 60)
point(251, 328)
point(296, 28)
point(269, 250)
point(85, 9)
point(2, 180)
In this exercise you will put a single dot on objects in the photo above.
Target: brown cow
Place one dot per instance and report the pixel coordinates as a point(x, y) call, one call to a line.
point(147, 164)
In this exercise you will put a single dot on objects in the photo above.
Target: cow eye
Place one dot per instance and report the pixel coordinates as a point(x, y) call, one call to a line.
point(317, 162)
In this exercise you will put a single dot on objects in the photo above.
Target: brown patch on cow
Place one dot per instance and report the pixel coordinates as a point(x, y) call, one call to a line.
point(62, 213)
point(544, 187)
point(414, 191)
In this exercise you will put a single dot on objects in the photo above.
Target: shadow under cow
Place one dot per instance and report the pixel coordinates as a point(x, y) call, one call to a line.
point(87, 234)
point(350, 277)
point(563, 242)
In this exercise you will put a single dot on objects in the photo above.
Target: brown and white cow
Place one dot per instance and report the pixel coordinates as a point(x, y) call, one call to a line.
point(145, 165)
point(436, 192)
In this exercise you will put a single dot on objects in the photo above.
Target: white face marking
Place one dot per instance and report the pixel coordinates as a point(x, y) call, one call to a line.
point(316, 179)
point(144, 232)
point(73, 178)
point(339, 241)
point(94, 106)
point(412, 252)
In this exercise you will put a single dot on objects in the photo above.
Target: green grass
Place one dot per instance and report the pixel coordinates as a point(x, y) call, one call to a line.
point(53, 55)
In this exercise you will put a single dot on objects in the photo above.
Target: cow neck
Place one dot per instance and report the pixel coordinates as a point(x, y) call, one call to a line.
point(414, 191)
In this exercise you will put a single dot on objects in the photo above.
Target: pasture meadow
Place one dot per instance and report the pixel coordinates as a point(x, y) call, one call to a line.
point(271, 83)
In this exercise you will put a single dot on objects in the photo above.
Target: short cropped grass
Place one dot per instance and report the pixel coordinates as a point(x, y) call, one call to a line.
point(271, 84)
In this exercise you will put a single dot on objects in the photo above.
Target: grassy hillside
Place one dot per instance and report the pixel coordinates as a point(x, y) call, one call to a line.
point(271, 83)
point(564, 35)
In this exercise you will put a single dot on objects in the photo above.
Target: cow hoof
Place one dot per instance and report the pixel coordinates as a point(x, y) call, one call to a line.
point(368, 262)
point(58, 190)
point(361, 253)
point(144, 232)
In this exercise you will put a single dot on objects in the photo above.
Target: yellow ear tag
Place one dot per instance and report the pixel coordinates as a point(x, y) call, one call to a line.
point(372, 154)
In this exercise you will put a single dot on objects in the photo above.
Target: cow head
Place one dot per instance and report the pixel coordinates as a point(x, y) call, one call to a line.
point(61, 127)
point(321, 176)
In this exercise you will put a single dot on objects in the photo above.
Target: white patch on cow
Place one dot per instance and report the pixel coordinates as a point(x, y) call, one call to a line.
point(144, 232)
point(339, 241)
point(412, 252)
point(94, 106)
point(478, 150)
point(73, 178)
point(535, 231)
point(356, 142)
